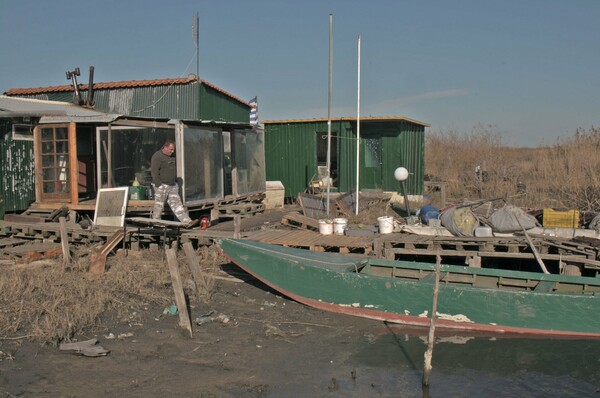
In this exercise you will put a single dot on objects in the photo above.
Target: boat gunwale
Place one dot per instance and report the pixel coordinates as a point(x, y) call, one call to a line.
point(359, 264)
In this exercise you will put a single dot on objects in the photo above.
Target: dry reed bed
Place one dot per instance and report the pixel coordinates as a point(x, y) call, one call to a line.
point(55, 303)
point(565, 175)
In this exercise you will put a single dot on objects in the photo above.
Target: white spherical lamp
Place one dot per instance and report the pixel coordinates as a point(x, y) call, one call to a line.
point(401, 174)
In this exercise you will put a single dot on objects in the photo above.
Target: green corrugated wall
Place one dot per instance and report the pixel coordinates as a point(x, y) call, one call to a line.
point(290, 151)
point(17, 184)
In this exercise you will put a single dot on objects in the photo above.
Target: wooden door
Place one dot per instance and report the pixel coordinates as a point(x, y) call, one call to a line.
point(53, 163)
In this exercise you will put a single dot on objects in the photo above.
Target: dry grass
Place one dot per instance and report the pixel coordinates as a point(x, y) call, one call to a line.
point(55, 303)
point(565, 175)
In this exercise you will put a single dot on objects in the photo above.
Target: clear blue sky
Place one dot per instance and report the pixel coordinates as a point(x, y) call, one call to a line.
point(530, 69)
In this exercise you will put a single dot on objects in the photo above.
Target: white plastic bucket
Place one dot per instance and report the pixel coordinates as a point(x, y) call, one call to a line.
point(386, 224)
point(339, 225)
point(325, 227)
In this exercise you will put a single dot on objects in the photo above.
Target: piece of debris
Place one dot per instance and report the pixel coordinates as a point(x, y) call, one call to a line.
point(207, 318)
point(172, 310)
point(88, 348)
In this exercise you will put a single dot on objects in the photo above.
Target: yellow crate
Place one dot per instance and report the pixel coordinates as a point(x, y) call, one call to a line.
point(560, 219)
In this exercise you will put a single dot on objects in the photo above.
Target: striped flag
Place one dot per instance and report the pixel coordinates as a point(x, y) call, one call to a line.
point(254, 110)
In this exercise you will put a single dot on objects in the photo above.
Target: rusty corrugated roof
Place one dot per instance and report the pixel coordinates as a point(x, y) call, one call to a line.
point(122, 84)
point(351, 119)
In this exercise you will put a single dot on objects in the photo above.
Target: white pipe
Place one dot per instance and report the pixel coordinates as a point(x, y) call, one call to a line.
point(358, 131)
point(329, 110)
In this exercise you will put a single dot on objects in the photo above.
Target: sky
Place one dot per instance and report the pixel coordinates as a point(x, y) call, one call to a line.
point(526, 70)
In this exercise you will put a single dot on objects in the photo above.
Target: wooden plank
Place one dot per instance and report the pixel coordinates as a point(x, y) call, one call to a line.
point(18, 218)
point(155, 223)
point(184, 318)
point(24, 249)
point(11, 242)
point(98, 260)
point(193, 262)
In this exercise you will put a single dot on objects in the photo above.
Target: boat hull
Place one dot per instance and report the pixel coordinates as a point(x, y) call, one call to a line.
point(332, 282)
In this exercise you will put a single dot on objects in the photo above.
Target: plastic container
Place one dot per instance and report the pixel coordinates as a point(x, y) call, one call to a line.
point(483, 232)
point(340, 225)
point(137, 192)
point(427, 213)
point(560, 219)
point(325, 227)
point(386, 224)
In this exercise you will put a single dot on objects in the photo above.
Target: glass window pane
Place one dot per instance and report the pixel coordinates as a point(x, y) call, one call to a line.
point(62, 133)
point(47, 134)
point(48, 161)
point(62, 146)
point(48, 174)
point(48, 147)
point(372, 150)
point(203, 168)
point(131, 152)
point(249, 160)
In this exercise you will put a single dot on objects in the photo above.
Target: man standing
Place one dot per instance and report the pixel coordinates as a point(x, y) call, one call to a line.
point(164, 181)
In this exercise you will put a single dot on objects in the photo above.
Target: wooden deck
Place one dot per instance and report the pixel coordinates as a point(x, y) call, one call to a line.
point(299, 231)
point(475, 250)
point(314, 241)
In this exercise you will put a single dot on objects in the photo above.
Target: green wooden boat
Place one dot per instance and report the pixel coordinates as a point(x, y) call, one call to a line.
point(470, 299)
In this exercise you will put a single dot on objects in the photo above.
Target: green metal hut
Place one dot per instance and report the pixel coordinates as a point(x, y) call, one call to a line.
point(296, 153)
point(102, 138)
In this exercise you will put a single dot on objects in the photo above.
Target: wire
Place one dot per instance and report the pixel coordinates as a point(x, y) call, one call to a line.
point(170, 85)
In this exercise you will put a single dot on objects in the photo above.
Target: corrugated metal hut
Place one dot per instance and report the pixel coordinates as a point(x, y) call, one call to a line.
point(78, 150)
point(296, 153)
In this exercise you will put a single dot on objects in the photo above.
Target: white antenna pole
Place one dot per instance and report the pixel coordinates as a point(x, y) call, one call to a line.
point(358, 130)
point(329, 111)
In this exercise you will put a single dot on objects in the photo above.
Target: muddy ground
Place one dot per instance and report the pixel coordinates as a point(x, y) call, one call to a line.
point(254, 343)
point(247, 341)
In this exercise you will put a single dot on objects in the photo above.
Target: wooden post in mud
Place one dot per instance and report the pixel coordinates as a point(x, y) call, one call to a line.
point(237, 223)
point(431, 338)
point(64, 241)
point(184, 319)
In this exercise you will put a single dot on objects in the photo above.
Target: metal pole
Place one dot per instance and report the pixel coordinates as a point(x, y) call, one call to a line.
point(329, 110)
point(358, 131)
point(405, 199)
point(196, 37)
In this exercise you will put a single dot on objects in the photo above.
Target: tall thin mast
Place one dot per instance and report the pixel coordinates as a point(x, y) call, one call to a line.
point(358, 130)
point(329, 110)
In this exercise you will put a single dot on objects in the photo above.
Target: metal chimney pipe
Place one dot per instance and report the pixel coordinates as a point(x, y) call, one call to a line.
point(90, 95)
point(76, 95)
